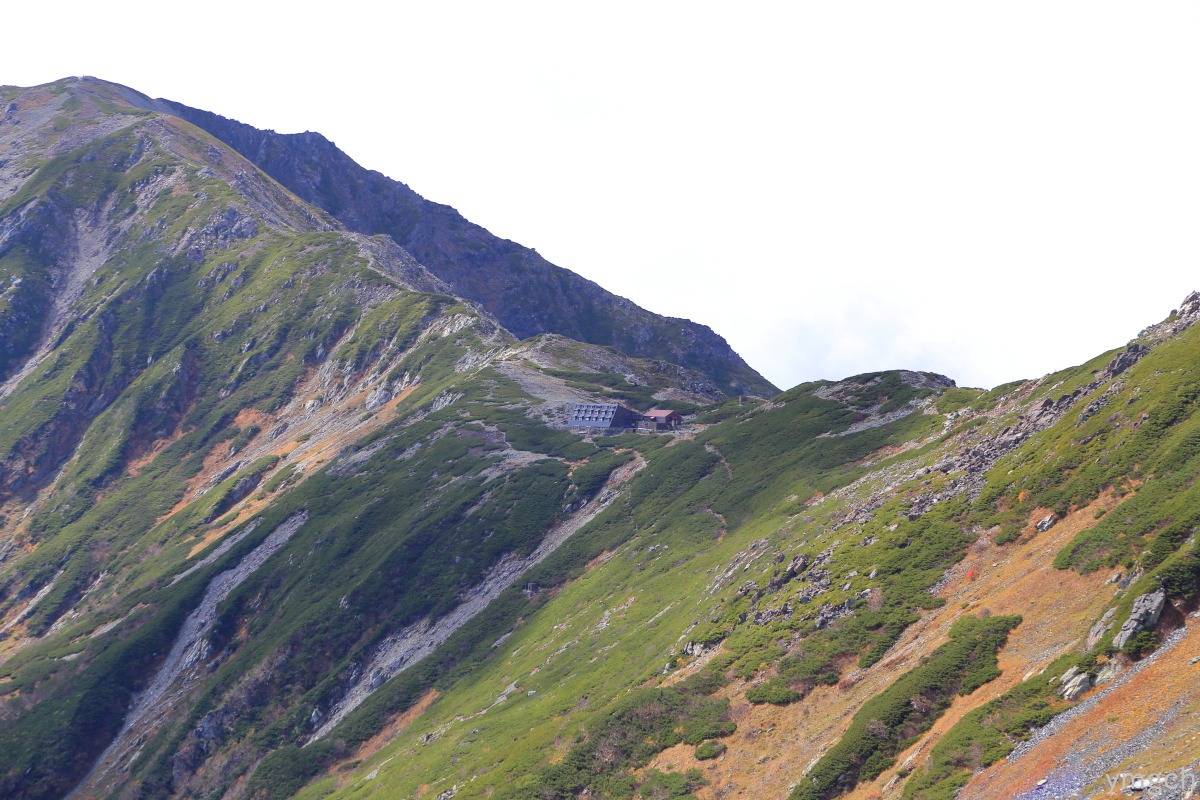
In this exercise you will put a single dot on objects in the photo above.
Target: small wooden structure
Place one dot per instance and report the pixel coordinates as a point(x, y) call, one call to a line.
point(660, 419)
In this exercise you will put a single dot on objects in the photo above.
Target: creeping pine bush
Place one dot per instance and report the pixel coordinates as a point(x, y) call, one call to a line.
point(632, 731)
point(984, 736)
point(909, 707)
point(775, 692)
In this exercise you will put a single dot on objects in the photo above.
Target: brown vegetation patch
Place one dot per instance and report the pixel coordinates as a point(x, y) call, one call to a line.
point(136, 465)
point(389, 732)
point(774, 745)
point(603, 558)
point(1165, 694)
point(1057, 607)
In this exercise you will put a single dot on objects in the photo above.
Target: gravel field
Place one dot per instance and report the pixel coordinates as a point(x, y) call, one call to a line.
point(1097, 759)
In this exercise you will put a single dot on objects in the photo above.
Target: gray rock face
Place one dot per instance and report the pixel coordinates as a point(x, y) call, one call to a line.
point(1106, 673)
point(1126, 359)
point(1146, 610)
point(773, 614)
point(748, 588)
point(1073, 689)
point(797, 565)
point(1047, 522)
point(827, 613)
point(819, 583)
point(378, 397)
point(1067, 676)
point(1099, 629)
point(210, 727)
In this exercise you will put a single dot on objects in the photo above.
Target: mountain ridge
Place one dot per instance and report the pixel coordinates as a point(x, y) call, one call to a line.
point(533, 296)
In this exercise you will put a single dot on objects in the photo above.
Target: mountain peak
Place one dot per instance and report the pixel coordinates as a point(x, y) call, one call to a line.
point(528, 294)
point(533, 296)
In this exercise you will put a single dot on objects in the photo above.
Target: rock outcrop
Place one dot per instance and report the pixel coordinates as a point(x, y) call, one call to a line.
point(1074, 688)
point(1102, 626)
point(1146, 610)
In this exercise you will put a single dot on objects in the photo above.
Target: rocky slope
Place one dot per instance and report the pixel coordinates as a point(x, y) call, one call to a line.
point(280, 515)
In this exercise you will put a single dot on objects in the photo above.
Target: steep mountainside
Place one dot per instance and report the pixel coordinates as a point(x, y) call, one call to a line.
point(526, 293)
point(186, 340)
point(281, 515)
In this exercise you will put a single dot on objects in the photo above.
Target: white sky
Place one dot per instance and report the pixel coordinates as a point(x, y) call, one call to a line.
point(989, 190)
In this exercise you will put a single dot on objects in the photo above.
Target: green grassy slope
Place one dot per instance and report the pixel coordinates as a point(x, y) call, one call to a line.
point(540, 719)
point(210, 303)
point(581, 666)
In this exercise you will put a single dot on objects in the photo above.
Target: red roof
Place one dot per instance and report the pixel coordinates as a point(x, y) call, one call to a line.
point(660, 414)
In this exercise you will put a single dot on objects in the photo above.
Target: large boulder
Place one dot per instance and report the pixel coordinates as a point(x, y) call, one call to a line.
point(1099, 629)
point(1074, 688)
point(1146, 610)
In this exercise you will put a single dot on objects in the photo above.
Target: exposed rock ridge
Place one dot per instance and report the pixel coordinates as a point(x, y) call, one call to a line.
point(1145, 613)
point(968, 462)
point(1179, 320)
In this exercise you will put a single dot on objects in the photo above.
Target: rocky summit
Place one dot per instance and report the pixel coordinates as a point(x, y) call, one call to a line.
point(309, 487)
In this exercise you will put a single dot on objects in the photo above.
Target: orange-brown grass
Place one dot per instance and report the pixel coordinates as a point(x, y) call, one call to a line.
point(774, 745)
point(393, 729)
point(341, 422)
point(1133, 705)
point(139, 463)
